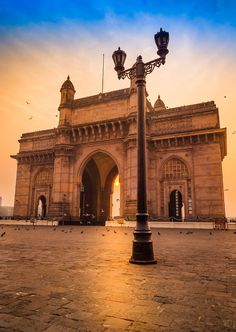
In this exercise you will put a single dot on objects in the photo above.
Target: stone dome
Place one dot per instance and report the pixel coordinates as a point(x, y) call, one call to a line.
point(159, 105)
point(67, 85)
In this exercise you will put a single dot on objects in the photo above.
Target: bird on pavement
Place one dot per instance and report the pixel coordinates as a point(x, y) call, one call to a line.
point(158, 233)
point(3, 234)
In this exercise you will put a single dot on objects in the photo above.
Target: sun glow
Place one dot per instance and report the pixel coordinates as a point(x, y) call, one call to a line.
point(117, 182)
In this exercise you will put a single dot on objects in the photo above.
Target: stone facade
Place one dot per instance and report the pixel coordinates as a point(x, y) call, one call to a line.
point(71, 169)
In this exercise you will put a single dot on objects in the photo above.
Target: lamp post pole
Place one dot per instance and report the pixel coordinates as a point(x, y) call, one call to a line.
point(142, 251)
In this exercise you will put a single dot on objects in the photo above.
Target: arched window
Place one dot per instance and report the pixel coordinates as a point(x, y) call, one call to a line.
point(43, 178)
point(174, 169)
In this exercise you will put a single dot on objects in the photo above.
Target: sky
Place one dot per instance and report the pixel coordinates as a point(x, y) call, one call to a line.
point(41, 42)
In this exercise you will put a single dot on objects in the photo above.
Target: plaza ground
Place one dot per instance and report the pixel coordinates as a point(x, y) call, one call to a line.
point(79, 279)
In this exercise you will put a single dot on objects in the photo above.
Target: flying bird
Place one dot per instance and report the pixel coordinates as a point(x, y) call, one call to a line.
point(30, 118)
point(27, 102)
point(234, 132)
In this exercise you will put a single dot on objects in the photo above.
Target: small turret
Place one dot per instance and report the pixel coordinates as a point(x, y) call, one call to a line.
point(67, 92)
point(159, 105)
point(67, 98)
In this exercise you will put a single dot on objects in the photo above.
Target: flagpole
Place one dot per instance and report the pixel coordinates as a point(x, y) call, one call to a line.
point(102, 72)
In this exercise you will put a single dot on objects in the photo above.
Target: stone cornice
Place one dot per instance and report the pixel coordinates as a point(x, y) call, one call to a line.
point(64, 150)
point(184, 112)
point(99, 131)
point(217, 135)
point(173, 115)
point(38, 134)
point(35, 157)
point(189, 133)
point(101, 98)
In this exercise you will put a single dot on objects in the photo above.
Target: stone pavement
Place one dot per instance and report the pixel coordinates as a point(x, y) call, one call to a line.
point(79, 279)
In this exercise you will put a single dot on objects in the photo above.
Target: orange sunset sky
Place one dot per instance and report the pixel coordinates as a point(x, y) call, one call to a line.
point(38, 54)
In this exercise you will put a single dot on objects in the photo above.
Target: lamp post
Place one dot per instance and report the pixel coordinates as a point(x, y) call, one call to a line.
point(142, 251)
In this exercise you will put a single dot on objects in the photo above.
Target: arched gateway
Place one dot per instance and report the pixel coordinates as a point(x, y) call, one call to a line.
point(73, 170)
point(97, 181)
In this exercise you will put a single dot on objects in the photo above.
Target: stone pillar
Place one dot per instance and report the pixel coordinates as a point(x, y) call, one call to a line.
point(152, 183)
point(130, 179)
point(22, 192)
point(61, 203)
point(208, 183)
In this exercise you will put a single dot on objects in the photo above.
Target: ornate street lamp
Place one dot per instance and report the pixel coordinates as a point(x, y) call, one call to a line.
point(142, 251)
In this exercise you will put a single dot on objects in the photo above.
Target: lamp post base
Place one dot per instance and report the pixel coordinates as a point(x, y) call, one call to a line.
point(142, 248)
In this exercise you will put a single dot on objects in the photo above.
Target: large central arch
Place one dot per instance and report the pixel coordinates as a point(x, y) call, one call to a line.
point(96, 187)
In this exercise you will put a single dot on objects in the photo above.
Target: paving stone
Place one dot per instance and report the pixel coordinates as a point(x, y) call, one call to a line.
point(56, 281)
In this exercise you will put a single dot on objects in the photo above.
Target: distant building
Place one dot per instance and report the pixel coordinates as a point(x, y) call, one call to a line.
point(70, 170)
point(6, 212)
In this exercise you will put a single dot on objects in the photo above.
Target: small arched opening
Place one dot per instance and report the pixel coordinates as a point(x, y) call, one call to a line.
point(41, 189)
point(115, 198)
point(41, 207)
point(175, 206)
point(174, 187)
